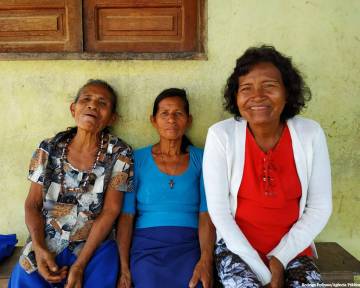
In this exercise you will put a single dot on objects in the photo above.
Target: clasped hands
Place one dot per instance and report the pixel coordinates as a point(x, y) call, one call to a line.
point(277, 273)
point(53, 274)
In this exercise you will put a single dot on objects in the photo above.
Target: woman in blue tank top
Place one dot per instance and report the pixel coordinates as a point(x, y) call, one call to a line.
point(173, 237)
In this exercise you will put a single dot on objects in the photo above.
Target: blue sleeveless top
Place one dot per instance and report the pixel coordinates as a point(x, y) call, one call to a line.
point(155, 203)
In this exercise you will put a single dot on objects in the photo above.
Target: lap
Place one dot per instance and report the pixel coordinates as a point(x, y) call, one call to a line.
point(301, 270)
point(234, 272)
point(164, 256)
point(103, 268)
point(95, 275)
point(19, 278)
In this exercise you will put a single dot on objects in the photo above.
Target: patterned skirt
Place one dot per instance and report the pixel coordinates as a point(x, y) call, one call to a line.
point(233, 272)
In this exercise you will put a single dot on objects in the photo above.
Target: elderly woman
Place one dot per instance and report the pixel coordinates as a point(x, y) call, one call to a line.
point(267, 176)
point(174, 237)
point(77, 182)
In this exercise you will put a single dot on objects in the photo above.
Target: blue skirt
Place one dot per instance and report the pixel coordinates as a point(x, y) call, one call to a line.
point(101, 271)
point(164, 256)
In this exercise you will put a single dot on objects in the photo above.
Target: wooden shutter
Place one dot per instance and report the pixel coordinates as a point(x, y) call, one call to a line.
point(40, 25)
point(140, 25)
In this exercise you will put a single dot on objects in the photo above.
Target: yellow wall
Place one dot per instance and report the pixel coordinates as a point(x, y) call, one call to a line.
point(322, 36)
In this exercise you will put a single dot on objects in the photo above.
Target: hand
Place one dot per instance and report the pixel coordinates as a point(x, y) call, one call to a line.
point(47, 267)
point(203, 272)
point(277, 273)
point(75, 277)
point(124, 279)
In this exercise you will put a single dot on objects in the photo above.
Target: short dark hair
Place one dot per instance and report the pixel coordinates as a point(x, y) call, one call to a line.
point(174, 92)
point(106, 86)
point(297, 92)
point(171, 92)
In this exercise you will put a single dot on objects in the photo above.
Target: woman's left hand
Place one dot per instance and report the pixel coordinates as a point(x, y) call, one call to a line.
point(203, 272)
point(124, 280)
point(75, 277)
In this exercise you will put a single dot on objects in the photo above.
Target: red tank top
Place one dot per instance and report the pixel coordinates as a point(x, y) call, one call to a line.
point(269, 194)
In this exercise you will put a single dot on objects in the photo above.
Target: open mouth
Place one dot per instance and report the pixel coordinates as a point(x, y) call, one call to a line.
point(91, 115)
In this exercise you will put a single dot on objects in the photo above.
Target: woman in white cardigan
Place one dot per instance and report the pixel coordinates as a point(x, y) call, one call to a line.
point(267, 176)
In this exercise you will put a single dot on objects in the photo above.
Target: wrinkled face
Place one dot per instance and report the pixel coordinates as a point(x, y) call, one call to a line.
point(261, 96)
point(171, 120)
point(93, 109)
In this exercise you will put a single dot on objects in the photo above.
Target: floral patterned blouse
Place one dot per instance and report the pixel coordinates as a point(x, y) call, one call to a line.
point(69, 215)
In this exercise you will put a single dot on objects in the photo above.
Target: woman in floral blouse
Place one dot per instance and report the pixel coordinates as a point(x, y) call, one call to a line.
point(77, 179)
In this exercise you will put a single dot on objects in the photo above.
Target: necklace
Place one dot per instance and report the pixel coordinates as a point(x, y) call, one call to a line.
point(171, 173)
point(84, 187)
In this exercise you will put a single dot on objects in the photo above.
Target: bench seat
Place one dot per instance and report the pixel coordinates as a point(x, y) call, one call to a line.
point(335, 263)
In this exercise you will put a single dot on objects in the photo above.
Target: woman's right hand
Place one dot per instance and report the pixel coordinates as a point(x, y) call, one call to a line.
point(47, 266)
point(124, 279)
point(277, 273)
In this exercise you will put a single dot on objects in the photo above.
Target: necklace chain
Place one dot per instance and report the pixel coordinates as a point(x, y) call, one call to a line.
point(173, 173)
point(63, 158)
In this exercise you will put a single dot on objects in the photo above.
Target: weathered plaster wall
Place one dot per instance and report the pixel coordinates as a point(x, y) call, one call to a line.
point(322, 36)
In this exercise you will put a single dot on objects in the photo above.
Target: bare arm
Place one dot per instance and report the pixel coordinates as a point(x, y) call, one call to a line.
point(124, 235)
point(206, 237)
point(204, 268)
point(35, 223)
point(98, 232)
point(33, 217)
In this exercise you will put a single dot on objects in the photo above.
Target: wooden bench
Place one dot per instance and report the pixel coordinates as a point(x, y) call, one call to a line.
point(335, 263)
point(7, 266)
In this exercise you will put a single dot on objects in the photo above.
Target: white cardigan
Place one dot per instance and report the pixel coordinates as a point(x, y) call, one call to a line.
point(223, 165)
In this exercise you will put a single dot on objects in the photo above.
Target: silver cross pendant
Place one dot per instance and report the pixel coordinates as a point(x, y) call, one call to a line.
point(171, 183)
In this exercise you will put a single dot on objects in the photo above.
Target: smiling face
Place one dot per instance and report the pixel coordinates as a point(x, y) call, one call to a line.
point(171, 119)
point(93, 109)
point(261, 96)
